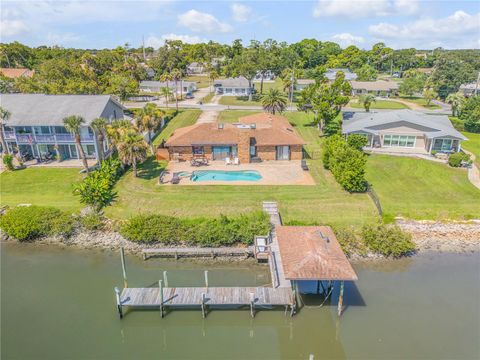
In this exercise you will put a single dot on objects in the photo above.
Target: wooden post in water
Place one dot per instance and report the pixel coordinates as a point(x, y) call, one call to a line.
point(206, 279)
point(340, 300)
point(252, 305)
point(119, 304)
point(160, 293)
point(124, 268)
point(203, 305)
point(165, 279)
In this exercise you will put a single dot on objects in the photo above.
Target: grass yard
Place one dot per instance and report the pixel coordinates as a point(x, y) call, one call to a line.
point(276, 84)
point(240, 100)
point(420, 101)
point(202, 81)
point(422, 189)
point(183, 118)
point(379, 104)
point(325, 203)
point(231, 116)
point(40, 186)
point(207, 98)
point(472, 145)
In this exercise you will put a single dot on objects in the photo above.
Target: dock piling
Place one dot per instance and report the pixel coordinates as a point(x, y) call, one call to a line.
point(124, 268)
point(252, 305)
point(119, 304)
point(340, 300)
point(165, 279)
point(203, 306)
point(160, 288)
point(206, 279)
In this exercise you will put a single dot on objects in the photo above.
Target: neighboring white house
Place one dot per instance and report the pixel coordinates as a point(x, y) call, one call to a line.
point(36, 125)
point(377, 88)
point(195, 68)
point(404, 131)
point(332, 73)
point(301, 84)
point(182, 86)
point(233, 87)
point(267, 76)
point(470, 89)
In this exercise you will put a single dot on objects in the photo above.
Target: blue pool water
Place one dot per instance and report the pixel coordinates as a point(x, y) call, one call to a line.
point(212, 175)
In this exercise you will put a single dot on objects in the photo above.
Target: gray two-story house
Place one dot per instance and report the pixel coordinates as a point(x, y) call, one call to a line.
point(35, 125)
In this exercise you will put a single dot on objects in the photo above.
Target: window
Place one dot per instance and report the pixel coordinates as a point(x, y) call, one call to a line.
point(198, 150)
point(443, 145)
point(399, 140)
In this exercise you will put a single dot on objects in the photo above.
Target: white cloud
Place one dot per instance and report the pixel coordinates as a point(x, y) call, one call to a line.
point(62, 39)
point(202, 22)
point(157, 42)
point(241, 13)
point(455, 31)
point(346, 39)
point(364, 8)
point(9, 28)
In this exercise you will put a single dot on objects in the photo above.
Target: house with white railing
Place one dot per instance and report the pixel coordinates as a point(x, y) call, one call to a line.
point(35, 125)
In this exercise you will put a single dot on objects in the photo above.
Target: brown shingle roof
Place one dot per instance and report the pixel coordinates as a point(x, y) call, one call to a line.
point(312, 253)
point(269, 130)
point(379, 85)
point(15, 73)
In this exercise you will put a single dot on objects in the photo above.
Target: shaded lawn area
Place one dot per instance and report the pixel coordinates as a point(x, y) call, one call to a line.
point(40, 186)
point(202, 81)
point(472, 145)
point(420, 101)
point(379, 104)
point(325, 203)
point(183, 118)
point(422, 189)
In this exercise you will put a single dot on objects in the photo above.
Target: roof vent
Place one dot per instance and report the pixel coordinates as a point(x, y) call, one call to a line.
point(220, 126)
point(323, 236)
point(253, 126)
point(289, 129)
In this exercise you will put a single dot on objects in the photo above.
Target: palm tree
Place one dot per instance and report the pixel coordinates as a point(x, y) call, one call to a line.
point(148, 119)
point(4, 116)
point(213, 74)
point(116, 129)
point(457, 100)
point(167, 93)
point(429, 94)
point(132, 149)
point(99, 126)
point(367, 101)
point(177, 75)
point(274, 101)
point(73, 124)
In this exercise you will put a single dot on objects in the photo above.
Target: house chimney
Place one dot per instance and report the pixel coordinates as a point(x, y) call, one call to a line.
point(220, 126)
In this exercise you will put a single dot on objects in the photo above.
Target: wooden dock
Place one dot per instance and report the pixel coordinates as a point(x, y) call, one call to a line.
point(197, 252)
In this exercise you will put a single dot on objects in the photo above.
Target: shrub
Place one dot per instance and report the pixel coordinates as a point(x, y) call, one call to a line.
point(8, 162)
point(455, 159)
point(387, 240)
point(457, 123)
point(198, 231)
point(350, 242)
point(357, 141)
point(92, 221)
point(470, 113)
point(28, 223)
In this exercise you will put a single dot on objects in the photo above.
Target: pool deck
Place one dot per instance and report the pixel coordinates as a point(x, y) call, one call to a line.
point(273, 173)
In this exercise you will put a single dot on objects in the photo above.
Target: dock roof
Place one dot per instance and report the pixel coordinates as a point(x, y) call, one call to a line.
point(312, 253)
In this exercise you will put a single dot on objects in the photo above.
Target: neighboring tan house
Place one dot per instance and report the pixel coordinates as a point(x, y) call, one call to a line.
point(377, 88)
point(404, 131)
point(16, 73)
point(301, 84)
point(258, 137)
point(195, 68)
point(233, 87)
point(182, 86)
point(470, 89)
point(332, 73)
point(36, 125)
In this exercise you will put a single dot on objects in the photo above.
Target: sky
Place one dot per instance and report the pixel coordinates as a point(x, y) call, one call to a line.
point(108, 24)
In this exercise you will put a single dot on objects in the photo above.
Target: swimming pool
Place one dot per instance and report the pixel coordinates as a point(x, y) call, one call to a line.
point(219, 175)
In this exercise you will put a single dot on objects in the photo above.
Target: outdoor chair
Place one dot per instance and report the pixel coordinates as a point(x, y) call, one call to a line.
point(304, 165)
point(175, 178)
point(228, 161)
point(236, 161)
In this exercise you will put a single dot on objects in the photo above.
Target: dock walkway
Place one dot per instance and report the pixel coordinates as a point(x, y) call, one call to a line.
point(197, 252)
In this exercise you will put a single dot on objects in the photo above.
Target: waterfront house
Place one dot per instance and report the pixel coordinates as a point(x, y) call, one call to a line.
point(36, 125)
point(253, 138)
point(404, 131)
point(331, 74)
point(181, 87)
point(470, 89)
point(238, 86)
point(12, 73)
point(377, 88)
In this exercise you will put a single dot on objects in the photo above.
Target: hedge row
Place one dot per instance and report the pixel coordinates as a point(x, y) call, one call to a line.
point(196, 231)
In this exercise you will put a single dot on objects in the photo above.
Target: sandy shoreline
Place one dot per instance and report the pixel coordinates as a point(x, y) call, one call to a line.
point(429, 236)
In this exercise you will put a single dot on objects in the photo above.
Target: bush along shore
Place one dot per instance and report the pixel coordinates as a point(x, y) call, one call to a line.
point(90, 230)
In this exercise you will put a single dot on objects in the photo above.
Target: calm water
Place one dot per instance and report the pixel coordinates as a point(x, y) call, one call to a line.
point(59, 304)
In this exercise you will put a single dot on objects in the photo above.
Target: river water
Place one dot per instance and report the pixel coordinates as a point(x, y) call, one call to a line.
point(59, 304)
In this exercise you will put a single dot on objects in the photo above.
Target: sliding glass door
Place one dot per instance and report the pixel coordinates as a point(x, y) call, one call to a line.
point(283, 152)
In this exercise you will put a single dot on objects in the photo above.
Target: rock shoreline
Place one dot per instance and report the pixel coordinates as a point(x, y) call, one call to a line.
point(429, 236)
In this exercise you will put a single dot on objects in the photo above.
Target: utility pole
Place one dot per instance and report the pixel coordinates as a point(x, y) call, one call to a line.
point(143, 47)
point(477, 83)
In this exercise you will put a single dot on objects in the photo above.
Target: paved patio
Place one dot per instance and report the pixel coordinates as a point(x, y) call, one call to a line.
point(273, 173)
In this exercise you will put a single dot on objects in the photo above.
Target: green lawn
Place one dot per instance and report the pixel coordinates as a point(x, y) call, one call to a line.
point(239, 100)
point(202, 81)
point(422, 189)
point(40, 186)
point(379, 104)
point(420, 101)
point(231, 116)
point(325, 202)
point(472, 145)
point(183, 118)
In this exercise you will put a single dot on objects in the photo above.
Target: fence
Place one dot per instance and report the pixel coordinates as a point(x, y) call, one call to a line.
point(376, 200)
